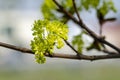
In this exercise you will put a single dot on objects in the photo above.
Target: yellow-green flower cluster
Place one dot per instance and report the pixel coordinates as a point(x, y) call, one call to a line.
point(47, 34)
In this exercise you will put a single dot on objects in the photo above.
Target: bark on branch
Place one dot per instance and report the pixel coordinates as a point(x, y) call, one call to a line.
point(61, 55)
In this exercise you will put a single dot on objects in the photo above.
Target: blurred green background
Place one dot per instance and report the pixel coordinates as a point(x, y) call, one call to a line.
point(16, 19)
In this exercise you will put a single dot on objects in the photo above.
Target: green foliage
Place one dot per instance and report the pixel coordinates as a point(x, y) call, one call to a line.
point(50, 10)
point(47, 10)
point(78, 42)
point(106, 7)
point(47, 34)
point(101, 6)
point(68, 5)
point(51, 32)
point(87, 4)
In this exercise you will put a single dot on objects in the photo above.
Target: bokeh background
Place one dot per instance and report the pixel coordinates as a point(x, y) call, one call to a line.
point(16, 19)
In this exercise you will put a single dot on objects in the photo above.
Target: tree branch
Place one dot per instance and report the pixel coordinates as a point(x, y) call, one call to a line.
point(109, 52)
point(60, 55)
point(21, 49)
point(80, 23)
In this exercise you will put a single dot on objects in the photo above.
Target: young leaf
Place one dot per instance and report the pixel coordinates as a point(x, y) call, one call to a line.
point(78, 42)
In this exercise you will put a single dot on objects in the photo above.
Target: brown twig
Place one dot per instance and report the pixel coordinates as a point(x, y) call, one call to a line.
point(74, 5)
point(78, 54)
point(104, 21)
point(58, 55)
point(24, 50)
point(101, 22)
point(80, 23)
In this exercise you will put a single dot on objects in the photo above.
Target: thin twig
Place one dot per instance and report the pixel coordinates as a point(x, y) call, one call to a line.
point(74, 5)
point(103, 21)
point(107, 20)
point(72, 48)
point(101, 27)
point(80, 23)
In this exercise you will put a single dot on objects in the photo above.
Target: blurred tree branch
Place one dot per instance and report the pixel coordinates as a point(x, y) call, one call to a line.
point(99, 39)
point(90, 32)
point(61, 55)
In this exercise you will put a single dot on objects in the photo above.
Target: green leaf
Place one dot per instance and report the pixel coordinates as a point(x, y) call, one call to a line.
point(101, 6)
point(47, 10)
point(87, 4)
point(78, 42)
point(106, 7)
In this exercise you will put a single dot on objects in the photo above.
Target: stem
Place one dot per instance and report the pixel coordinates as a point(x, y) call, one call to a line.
point(74, 5)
